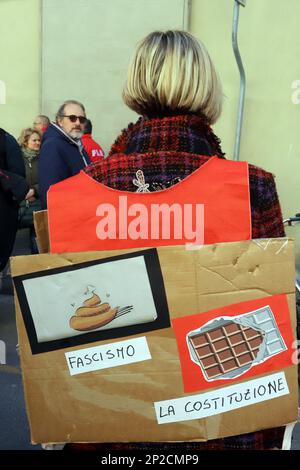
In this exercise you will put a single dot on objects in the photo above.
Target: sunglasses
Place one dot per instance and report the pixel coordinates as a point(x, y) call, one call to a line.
point(74, 118)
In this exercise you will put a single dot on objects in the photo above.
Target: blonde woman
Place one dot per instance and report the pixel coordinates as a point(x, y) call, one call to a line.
point(172, 83)
point(30, 142)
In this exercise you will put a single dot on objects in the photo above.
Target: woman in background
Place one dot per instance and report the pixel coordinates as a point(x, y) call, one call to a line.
point(30, 142)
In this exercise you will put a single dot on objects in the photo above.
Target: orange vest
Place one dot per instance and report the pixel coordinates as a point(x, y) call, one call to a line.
point(211, 205)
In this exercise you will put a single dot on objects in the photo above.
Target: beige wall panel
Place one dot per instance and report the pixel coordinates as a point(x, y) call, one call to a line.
point(19, 63)
point(87, 45)
point(268, 39)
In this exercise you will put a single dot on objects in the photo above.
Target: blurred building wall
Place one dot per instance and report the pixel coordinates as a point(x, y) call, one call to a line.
point(20, 63)
point(268, 39)
point(51, 50)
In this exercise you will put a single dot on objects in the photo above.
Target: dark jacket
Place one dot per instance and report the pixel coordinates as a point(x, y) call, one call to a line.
point(13, 189)
point(28, 208)
point(60, 157)
point(14, 160)
point(31, 168)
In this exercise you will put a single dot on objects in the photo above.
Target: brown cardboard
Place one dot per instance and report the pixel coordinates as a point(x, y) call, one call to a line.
point(40, 219)
point(116, 405)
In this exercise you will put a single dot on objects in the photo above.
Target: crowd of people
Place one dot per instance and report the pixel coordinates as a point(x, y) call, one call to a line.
point(45, 153)
point(174, 87)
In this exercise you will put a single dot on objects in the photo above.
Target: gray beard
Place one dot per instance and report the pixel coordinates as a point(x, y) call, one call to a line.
point(76, 135)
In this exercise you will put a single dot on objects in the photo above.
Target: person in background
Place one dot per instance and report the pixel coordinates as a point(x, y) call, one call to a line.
point(173, 85)
point(13, 189)
point(30, 142)
point(62, 154)
point(92, 148)
point(41, 123)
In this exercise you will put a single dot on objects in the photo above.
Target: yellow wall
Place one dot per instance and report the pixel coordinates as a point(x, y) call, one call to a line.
point(19, 63)
point(269, 45)
point(97, 55)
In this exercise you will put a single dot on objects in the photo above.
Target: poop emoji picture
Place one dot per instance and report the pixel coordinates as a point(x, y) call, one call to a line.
point(101, 298)
point(93, 313)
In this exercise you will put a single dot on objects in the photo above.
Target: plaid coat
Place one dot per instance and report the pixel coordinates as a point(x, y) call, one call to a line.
point(167, 150)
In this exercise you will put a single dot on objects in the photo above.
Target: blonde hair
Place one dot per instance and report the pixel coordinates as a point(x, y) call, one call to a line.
point(25, 136)
point(173, 72)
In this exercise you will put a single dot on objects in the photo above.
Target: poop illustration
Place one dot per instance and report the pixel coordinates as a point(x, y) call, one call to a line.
point(94, 314)
point(94, 300)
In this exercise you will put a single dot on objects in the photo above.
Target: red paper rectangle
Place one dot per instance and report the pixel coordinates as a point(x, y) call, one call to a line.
point(223, 351)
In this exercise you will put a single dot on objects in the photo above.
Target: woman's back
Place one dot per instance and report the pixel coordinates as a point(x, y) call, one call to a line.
point(169, 149)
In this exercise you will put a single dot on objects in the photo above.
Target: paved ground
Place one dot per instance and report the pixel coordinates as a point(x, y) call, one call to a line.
point(14, 429)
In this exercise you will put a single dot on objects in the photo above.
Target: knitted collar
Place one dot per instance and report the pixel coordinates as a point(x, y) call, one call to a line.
point(183, 133)
point(29, 154)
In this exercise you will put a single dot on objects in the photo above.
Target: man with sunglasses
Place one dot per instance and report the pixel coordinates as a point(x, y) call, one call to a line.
point(62, 154)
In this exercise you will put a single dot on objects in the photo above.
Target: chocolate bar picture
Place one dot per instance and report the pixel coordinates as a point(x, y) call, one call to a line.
point(226, 348)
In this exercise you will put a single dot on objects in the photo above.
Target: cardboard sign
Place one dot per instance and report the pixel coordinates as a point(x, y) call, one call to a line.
point(40, 219)
point(116, 404)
